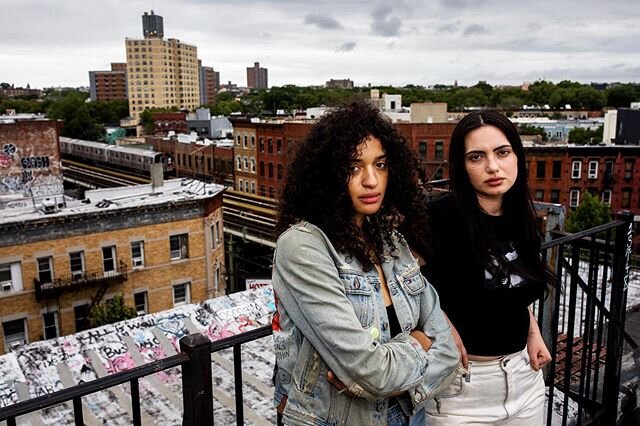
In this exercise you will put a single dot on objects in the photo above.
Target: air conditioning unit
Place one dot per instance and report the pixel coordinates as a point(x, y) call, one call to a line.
point(137, 261)
point(6, 286)
point(77, 275)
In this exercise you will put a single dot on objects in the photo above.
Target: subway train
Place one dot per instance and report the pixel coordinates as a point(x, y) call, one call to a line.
point(122, 157)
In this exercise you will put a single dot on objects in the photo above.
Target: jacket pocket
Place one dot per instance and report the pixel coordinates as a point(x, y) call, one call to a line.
point(412, 281)
point(307, 368)
point(360, 293)
point(457, 386)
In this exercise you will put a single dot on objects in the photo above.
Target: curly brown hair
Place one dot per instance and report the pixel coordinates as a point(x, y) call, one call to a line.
point(316, 189)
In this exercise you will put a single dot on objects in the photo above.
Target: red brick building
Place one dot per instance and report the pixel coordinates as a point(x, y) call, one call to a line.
point(164, 122)
point(431, 144)
point(109, 85)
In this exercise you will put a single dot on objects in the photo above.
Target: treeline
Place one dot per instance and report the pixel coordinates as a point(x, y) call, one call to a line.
point(482, 95)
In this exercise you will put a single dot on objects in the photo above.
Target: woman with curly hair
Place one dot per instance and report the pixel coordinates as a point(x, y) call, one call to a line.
point(358, 334)
point(485, 262)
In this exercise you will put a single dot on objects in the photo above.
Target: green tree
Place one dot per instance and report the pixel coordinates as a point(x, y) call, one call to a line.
point(113, 310)
point(582, 136)
point(621, 95)
point(590, 213)
point(528, 129)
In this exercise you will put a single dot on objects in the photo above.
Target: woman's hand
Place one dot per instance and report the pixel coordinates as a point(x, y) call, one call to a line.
point(537, 349)
point(422, 338)
point(464, 357)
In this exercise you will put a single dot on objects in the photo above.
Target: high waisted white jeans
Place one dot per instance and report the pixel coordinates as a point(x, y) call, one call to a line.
point(506, 391)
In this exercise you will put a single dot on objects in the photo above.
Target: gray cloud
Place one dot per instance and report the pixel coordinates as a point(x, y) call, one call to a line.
point(383, 23)
point(474, 29)
point(448, 28)
point(347, 47)
point(321, 21)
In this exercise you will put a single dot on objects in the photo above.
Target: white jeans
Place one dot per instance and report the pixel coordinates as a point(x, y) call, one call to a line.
point(506, 391)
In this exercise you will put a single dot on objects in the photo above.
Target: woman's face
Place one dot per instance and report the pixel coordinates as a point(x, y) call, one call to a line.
point(368, 179)
point(491, 164)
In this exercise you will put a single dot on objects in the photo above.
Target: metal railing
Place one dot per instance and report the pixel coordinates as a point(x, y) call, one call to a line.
point(583, 322)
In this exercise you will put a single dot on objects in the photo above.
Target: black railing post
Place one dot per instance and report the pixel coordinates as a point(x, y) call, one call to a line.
point(615, 329)
point(197, 390)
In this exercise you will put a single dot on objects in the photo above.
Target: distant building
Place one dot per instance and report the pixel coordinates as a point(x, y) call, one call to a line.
point(257, 78)
point(109, 85)
point(209, 83)
point(161, 73)
point(14, 92)
point(339, 84)
point(160, 247)
point(165, 122)
point(628, 127)
point(429, 112)
point(207, 127)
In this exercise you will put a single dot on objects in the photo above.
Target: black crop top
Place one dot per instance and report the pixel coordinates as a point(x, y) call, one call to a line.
point(394, 324)
point(490, 311)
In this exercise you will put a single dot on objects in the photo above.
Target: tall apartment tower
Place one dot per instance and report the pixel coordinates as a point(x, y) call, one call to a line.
point(257, 78)
point(209, 83)
point(161, 73)
point(109, 85)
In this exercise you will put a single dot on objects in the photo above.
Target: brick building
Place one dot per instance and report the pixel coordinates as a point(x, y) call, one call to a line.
point(245, 161)
point(257, 77)
point(431, 143)
point(209, 83)
point(109, 85)
point(160, 247)
point(165, 122)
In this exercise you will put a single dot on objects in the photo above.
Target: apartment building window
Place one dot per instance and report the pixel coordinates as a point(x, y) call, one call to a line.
point(279, 171)
point(253, 165)
point(240, 185)
point(253, 187)
point(539, 194)
point(555, 196)
point(574, 198)
point(181, 294)
point(608, 169)
point(137, 254)
point(628, 168)
point(270, 170)
point(253, 141)
point(10, 277)
point(140, 302)
point(76, 262)
point(279, 146)
point(81, 314)
point(262, 168)
point(261, 144)
point(109, 259)
point(439, 155)
point(556, 169)
point(215, 235)
point(179, 246)
point(245, 140)
point(625, 203)
point(239, 163)
point(45, 269)
point(422, 149)
point(270, 145)
point(50, 325)
point(238, 140)
point(576, 169)
point(593, 169)
point(246, 186)
point(541, 168)
point(606, 197)
point(15, 333)
point(245, 160)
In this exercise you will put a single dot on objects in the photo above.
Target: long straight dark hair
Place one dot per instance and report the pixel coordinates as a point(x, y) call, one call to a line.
point(517, 205)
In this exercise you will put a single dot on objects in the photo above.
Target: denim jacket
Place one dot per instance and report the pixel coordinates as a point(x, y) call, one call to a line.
point(331, 316)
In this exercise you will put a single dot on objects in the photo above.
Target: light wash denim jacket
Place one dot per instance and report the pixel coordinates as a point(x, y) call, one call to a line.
point(331, 316)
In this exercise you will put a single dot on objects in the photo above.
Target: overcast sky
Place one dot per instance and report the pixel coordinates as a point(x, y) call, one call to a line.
point(52, 43)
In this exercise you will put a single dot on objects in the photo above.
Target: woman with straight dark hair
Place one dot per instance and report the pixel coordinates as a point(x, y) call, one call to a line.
point(358, 334)
point(484, 260)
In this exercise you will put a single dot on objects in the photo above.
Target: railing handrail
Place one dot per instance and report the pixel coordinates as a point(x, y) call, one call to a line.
point(103, 383)
point(579, 235)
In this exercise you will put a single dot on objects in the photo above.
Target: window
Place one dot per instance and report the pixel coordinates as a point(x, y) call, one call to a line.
point(270, 145)
point(279, 171)
point(555, 196)
point(574, 198)
point(76, 262)
point(244, 144)
point(15, 333)
point(253, 187)
point(541, 168)
point(140, 301)
point(270, 170)
point(539, 194)
point(593, 169)
point(215, 235)
point(238, 140)
point(179, 246)
point(608, 169)
point(253, 141)
point(262, 168)
point(50, 322)
point(10, 277)
point(422, 149)
point(109, 259)
point(246, 186)
point(626, 198)
point(606, 197)
point(279, 146)
point(81, 314)
point(245, 160)
point(253, 165)
point(439, 150)
point(261, 144)
point(628, 169)
point(556, 170)
point(238, 163)
point(45, 269)
point(576, 167)
point(181, 294)
point(137, 254)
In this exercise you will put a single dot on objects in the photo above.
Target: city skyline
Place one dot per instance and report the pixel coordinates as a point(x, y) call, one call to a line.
point(409, 42)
